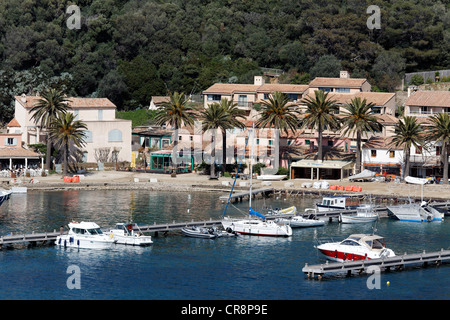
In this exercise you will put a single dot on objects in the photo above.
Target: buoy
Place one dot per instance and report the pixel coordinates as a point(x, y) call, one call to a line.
point(388, 283)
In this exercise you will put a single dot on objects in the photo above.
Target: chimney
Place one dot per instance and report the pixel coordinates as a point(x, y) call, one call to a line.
point(23, 98)
point(344, 75)
point(411, 90)
point(258, 80)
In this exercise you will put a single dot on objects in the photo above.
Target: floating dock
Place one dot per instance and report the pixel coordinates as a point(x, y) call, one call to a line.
point(385, 264)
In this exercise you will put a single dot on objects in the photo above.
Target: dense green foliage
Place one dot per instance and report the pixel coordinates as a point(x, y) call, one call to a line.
point(131, 50)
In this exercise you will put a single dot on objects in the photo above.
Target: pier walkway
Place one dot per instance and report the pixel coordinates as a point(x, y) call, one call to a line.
point(385, 264)
point(240, 195)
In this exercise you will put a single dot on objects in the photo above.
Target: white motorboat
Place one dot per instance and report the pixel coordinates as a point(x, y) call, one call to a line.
point(85, 235)
point(124, 233)
point(271, 177)
point(254, 226)
point(334, 203)
point(356, 247)
point(364, 214)
point(415, 213)
point(415, 180)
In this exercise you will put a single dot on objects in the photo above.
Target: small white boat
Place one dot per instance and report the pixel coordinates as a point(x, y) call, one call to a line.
point(4, 195)
point(271, 177)
point(85, 235)
point(124, 233)
point(199, 232)
point(415, 180)
point(356, 247)
point(364, 214)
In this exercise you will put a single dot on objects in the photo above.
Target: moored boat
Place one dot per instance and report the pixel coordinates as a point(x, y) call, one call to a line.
point(415, 213)
point(364, 214)
point(199, 232)
point(356, 247)
point(334, 203)
point(85, 235)
point(125, 234)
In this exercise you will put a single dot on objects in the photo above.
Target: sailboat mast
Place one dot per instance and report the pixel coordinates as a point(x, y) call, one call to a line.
point(251, 168)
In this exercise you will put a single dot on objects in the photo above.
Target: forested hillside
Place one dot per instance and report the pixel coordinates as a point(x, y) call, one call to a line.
point(130, 50)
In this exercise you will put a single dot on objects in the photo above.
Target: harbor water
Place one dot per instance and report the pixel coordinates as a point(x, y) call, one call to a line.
point(176, 267)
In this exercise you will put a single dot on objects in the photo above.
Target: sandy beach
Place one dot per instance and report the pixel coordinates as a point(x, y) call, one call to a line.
point(198, 182)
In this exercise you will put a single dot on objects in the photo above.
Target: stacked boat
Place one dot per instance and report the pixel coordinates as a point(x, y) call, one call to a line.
point(415, 213)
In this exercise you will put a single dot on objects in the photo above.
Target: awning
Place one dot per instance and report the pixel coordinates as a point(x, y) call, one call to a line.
point(326, 164)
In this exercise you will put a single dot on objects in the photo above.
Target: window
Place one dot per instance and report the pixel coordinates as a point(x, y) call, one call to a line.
point(85, 157)
point(115, 136)
point(419, 150)
point(242, 101)
point(307, 142)
point(391, 154)
point(330, 143)
point(326, 89)
point(214, 97)
point(10, 141)
point(270, 142)
point(373, 153)
point(343, 90)
point(438, 150)
point(88, 136)
point(292, 96)
point(100, 114)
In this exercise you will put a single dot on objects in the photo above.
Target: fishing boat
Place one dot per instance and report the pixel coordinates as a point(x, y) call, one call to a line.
point(125, 234)
point(415, 213)
point(85, 235)
point(199, 232)
point(334, 203)
point(364, 214)
point(256, 223)
point(356, 247)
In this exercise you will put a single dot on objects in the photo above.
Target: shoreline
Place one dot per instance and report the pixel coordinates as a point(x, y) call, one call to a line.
point(123, 180)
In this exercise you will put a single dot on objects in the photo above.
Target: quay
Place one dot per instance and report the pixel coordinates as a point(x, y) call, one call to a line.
point(385, 264)
point(240, 195)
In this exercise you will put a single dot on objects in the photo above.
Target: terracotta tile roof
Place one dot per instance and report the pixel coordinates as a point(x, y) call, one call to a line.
point(13, 123)
point(229, 88)
point(159, 99)
point(72, 102)
point(286, 88)
point(8, 152)
point(337, 82)
point(379, 98)
point(429, 99)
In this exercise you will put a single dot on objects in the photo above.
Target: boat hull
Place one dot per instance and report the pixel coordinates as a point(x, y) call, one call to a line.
point(197, 234)
point(302, 223)
point(356, 219)
point(134, 240)
point(72, 241)
point(257, 228)
point(340, 254)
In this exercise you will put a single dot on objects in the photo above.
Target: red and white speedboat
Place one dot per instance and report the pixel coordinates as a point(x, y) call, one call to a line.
point(356, 247)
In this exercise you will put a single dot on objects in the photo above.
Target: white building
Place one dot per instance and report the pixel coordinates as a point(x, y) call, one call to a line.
point(99, 115)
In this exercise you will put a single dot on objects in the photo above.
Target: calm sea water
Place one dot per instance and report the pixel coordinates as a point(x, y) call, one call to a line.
point(178, 267)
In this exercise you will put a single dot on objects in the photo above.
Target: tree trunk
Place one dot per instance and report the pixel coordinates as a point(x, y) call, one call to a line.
point(65, 162)
point(224, 151)
point(358, 151)
point(213, 154)
point(175, 151)
point(319, 153)
point(48, 156)
point(445, 152)
point(406, 171)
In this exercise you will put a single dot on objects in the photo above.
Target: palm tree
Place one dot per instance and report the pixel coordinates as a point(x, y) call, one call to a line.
point(407, 133)
point(65, 131)
point(359, 120)
point(440, 131)
point(277, 113)
point(319, 115)
point(233, 114)
point(215, 116)
point(175, 112)
point(51, 105)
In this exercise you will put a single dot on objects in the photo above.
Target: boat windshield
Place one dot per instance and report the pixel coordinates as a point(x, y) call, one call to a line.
point(95, 231)
point(377, 244)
